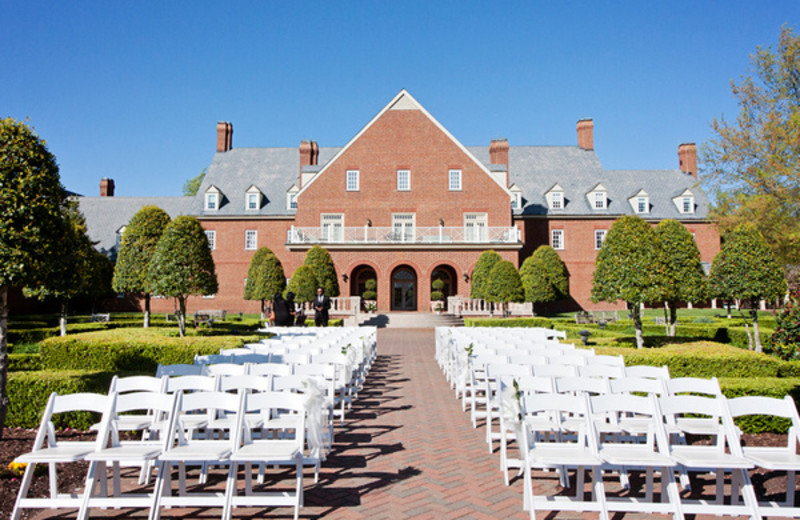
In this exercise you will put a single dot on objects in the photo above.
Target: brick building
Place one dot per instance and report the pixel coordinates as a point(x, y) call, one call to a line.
point(405, 202)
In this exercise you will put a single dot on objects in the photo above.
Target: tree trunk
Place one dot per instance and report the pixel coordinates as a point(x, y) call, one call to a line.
point(182, 315)
point(62, 320)
point(3, 356)
point(262, 311)
point(728, 305)
point(637, 323)
point(747, 329)
point(146, 310)
point(673, 318)
point(756, 334)
point(666, 318)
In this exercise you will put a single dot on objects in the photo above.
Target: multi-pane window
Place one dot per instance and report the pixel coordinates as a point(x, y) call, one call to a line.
point(475, 225)
point(641, 205)
point(212, 239)
point(516, 201)
point(454, 181)
point(403, 180)
point(250, 239)
point(212, 200)
point(252, 201)
point(599, 236)
point(687, 204)
point(332, 227)
point(292, 201)
point(599, 200)
point(557, 239)
point(557, 200)
point(403, 226)
point(351, 184)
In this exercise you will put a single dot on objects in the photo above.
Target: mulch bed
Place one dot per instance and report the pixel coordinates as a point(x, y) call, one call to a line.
point(16, 441)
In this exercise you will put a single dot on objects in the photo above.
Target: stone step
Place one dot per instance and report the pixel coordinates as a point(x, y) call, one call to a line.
point(411, 320)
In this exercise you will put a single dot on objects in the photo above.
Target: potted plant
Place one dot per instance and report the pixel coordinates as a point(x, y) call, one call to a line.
point(437, 296)
point(370, 297)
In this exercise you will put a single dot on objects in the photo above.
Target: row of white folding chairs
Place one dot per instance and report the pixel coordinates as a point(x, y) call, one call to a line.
point(242, 443)
point(575, 431)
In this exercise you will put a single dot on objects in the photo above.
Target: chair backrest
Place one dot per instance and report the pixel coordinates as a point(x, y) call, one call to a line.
point(272, 369)
point(495, 371)
point(693, 385)
point(530, 384)
point(674, 407)
point(557, 405)
point(136, 384)
point(615, 407)
point(179, 370)
point(770, 406)
point(193, 383)
point(523, 358)
point(601, 359)
point(58, 404)
point(575, 360)
point(644, 385)
point(270, 404)
point(555, 370)
point(296, 358)
point(581, 385)
point(224, 369)
point(601, 371)
point(210, 359)
point(651, 372)
point(290, 383)
point(253, 358)
point(324, 371)
point(208, 403)
point(248, 382)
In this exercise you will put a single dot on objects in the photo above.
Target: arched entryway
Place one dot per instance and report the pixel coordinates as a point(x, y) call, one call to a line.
point(404, 289)
point(448, 276)
point(358, 282)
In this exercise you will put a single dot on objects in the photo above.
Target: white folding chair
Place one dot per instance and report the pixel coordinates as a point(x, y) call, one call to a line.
point(49, 449)
point(493, 374)
point(225, 369)
point(180, 369)
point(647, 371)
point(555, 371)
point(271, 369)
point(601, 371)
point(773, 458)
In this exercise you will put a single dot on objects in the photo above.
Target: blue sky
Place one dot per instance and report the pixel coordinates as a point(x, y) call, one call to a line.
point(133, 90)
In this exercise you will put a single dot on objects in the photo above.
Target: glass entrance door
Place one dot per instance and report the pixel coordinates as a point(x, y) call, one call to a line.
point(404, 290)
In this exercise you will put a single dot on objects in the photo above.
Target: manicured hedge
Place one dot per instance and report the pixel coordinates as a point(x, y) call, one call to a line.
point(36, 335)
point(509, 322)
point(131, 349)
point(28, 393)
point(765, 386)
point(24, 362)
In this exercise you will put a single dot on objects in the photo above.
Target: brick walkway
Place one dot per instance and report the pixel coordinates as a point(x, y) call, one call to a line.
point(405, 451)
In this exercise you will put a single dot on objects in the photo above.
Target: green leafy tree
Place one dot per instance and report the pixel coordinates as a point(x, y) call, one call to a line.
point(265, 277)
point(544, 276)
point(480, 275)
point(30, 222)
point(752, 165)
point(684, 279)
point(192, 186)
point(321, 263)
point(182, 265)
point(745, 270)
point(785, 340)
point(504, 284)
point(437, 286)
point(629, 267)
point(303, 284)
point(136, 250)
point(99, 285)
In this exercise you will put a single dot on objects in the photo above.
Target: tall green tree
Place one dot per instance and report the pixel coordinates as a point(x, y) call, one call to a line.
point(265, 277)
point(684, 279)
point(480, 275)
point(504, 284)
point(303, 284)
point(30, 222)
point(136, 250)
point(752, 164)
point(629, 267)
point(745, 270)
point(71, 273)
point(320, 261)
point(182, 265)
point(544, 276)
point(192, 186)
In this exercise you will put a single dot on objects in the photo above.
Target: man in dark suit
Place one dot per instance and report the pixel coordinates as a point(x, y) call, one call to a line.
point(321, 305)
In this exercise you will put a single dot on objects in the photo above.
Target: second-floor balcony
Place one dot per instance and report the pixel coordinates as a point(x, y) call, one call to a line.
point(336, 237)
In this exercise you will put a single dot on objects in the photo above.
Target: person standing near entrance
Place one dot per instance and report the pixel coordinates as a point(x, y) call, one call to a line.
point(321, 305)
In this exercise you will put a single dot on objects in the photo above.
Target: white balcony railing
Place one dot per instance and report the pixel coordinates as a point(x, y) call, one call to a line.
point(392, 236)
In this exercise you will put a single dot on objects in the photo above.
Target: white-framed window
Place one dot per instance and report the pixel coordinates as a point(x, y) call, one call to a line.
point(687, 205)
point(209, 296)
point(475, 225)
point(557, 200)
point(599, 237)
point(516, 201)
point(403, 180)
point(120, 233)
point(557, 239)
point(291, 199)
point(403, 226)
point(212, 201)
point(211, 236)
point(642, 205)
point(252, 201)
point(332, 226)
point(250, 240)
point(351, 183)
point(454, 180)
point(600, 200)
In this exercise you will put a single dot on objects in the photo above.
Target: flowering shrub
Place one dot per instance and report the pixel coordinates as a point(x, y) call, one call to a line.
point(785, 341)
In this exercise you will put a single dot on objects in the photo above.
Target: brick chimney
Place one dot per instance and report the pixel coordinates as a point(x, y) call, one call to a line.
point(687, 158)
point(106, 187)
point(309, 154)
point(585, 129)
point(498, 151)
point(224, 136)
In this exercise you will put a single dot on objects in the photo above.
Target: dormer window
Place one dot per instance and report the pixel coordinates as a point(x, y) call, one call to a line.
point(640, 202)
point(516, 196)
point(252, 199)
point(555, 197)
point(291, 198)
point(598, 198)
point(212, 198)
point(684, 202)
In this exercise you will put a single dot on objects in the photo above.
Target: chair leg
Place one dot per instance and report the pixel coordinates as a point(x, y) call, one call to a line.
point(83, 511)
point(27, 478)
point(230, 491)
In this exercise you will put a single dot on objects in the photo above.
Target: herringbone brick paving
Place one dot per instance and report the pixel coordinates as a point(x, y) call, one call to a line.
point(406, 450)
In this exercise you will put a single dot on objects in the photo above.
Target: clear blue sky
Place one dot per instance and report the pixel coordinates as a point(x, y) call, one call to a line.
point(133, 90)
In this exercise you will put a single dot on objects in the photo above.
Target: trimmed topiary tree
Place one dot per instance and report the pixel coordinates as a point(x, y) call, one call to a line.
point(369, 292)
point(265, 277)
point(480, 275)
point(746, 270)
point(135, 252)
point(683, 279)
point(303, 284)
point(785, 341)
point(321, 263)
point(436, 293)
point(182, 265)
point(629, 267)
point(504, 284)
point(544, 276)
